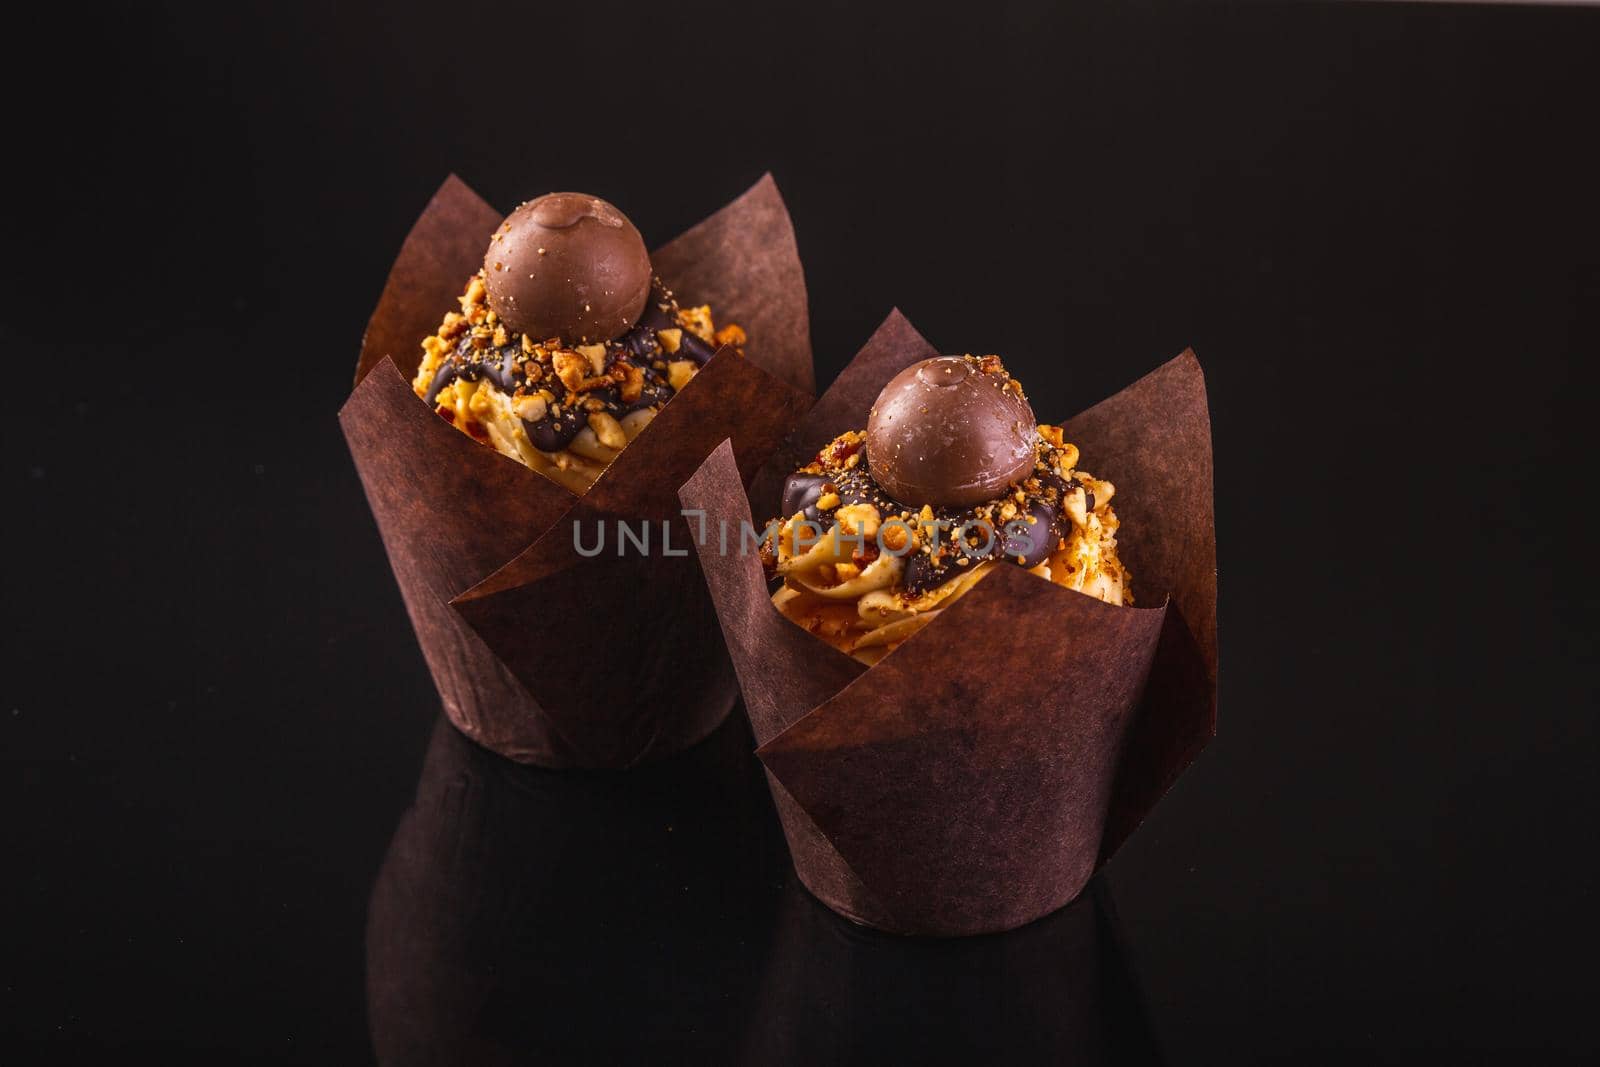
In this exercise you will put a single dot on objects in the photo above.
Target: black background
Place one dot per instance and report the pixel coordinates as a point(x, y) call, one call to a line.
point(1376, 224)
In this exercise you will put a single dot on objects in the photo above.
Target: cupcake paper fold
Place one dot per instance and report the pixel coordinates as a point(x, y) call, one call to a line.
point(975, 778)
point(539, 652)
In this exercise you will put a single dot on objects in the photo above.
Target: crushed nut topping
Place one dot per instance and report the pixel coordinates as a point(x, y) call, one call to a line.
point(565, 411)
point(865, 571)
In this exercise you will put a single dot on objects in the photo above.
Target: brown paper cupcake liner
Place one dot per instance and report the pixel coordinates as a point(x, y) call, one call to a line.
point(539, 652)
point(974, 779)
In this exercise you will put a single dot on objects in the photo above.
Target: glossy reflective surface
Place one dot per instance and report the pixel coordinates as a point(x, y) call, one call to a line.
point(525, 915)
point(1375, 223)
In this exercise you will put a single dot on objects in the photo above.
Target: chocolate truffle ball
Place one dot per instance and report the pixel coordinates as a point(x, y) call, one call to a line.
point(567, 265)
point(944, 432)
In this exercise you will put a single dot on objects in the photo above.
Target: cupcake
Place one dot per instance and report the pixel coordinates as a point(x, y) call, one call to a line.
point(952, 477)
point(975, 678)
point(574, 386)
point(566, 344)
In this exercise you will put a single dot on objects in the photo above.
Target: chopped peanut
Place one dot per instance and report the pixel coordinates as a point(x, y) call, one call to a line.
point(858, 518)
point(632, 383)
point(679, 371)
point(531, 408)
point(570, 368)
point(608, 430)
point(895, 536)
point(697, 320)
point(596, 355)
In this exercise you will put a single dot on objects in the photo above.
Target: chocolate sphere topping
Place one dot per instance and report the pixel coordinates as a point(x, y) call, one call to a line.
point(567, 265)
point(950, 431)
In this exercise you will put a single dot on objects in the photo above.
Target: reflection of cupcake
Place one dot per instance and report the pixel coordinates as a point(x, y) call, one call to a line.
point(959, 754)
point(519, 911)
point(1062, 990)
point(566, 345)
point(540, 652)
point(976, 484)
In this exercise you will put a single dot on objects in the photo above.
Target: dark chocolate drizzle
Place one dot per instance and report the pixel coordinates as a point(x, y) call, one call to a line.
point(509, 371)
point(1045, 492)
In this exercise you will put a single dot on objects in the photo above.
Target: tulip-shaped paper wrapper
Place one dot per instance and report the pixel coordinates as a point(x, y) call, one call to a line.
point(539, 651)
point(973, 779)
